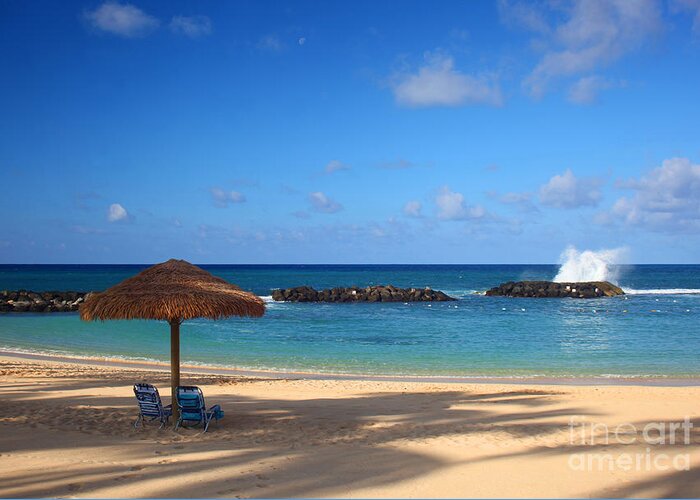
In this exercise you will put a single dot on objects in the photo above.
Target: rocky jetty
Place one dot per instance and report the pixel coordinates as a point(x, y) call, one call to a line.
point(26, 301)
point(543, 289)
point(355, 294)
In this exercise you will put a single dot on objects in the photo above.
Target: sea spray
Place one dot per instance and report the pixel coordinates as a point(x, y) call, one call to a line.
point(589, 265)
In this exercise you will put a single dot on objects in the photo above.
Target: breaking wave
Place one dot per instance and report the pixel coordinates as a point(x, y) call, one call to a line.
point(589, 265)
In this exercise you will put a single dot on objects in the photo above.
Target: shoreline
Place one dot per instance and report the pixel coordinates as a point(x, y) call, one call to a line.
point(650, 381)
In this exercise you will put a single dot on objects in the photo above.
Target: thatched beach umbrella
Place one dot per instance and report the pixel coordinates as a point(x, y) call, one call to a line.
point(172, 291)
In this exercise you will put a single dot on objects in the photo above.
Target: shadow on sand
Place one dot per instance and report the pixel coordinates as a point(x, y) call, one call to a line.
point(273, 447)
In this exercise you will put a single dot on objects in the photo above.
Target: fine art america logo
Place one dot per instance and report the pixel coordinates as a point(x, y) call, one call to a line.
point(651, 441)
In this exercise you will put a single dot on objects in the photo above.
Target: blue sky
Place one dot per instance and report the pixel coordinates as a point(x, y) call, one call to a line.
point(348, 132)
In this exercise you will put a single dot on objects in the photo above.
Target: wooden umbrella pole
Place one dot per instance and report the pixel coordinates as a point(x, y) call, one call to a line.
point(174, 365)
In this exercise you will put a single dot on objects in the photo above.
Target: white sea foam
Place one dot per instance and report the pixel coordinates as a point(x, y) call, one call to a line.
point(662, 291)
point(589, 265)
point(464, 292)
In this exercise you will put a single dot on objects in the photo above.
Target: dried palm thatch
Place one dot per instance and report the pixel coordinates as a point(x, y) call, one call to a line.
point(172, 291)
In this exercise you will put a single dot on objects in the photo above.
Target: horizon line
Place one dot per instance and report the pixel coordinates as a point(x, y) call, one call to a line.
point(340, 264)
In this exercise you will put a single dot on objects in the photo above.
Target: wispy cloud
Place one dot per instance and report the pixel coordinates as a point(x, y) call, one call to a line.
point(413, 209)
point(438, 83)
point(527, 15)
point(80, 229)
point(322, 203)
point(568, 191)
point(191, 26)
point(521, 201)
point(288, 190)
point(270, 43)
point(122, 19)
point(691, 6)
point(582, 36)
point(399, 164)
point(666, 199)
point(335, 166)
point(586, 89)
point(301, 214)
point(223, 199)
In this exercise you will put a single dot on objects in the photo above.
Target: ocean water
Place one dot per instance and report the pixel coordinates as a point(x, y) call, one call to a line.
point(654, 331)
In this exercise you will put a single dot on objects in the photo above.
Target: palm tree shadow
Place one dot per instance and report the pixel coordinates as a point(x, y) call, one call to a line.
point(266, 447)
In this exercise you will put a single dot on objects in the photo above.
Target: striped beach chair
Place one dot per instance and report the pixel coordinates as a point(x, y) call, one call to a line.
point(150, 405)
point(193, 411)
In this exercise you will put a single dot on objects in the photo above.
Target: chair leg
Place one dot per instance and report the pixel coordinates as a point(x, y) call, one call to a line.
point(164, 420)
point(138, 421)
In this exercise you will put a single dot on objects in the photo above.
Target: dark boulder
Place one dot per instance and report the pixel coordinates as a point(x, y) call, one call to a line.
point(28, 301)
point(550, 289)
point(378, 293)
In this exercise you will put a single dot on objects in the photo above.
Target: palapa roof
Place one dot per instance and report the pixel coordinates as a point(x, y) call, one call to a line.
point(172, 290)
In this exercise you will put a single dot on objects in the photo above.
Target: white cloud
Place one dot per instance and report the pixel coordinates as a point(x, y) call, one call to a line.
point(586, 89)
point(117, 213)
point(568, 191)
point(223, 199)
point(122, 19)
point(437, 83)
point(191, 26)
point(451, 206)
point(413, 209)
point(588, 34)
point(322, 203)
point(666, 199)
point(336, 166)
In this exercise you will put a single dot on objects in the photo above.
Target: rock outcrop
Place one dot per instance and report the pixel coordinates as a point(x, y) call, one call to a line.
point(543, 289)
point(355, 294)
point(26, 301)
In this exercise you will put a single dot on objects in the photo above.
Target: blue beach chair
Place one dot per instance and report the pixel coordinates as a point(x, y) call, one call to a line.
point(190, 401)
point(150, 405)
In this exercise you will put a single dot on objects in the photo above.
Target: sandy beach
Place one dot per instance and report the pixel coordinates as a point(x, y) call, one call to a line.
point(66, 431)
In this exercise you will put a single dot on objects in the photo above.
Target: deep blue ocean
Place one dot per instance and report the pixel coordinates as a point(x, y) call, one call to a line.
point(654, 331)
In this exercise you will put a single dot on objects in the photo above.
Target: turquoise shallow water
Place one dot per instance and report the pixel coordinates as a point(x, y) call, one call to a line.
point(655, 331)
